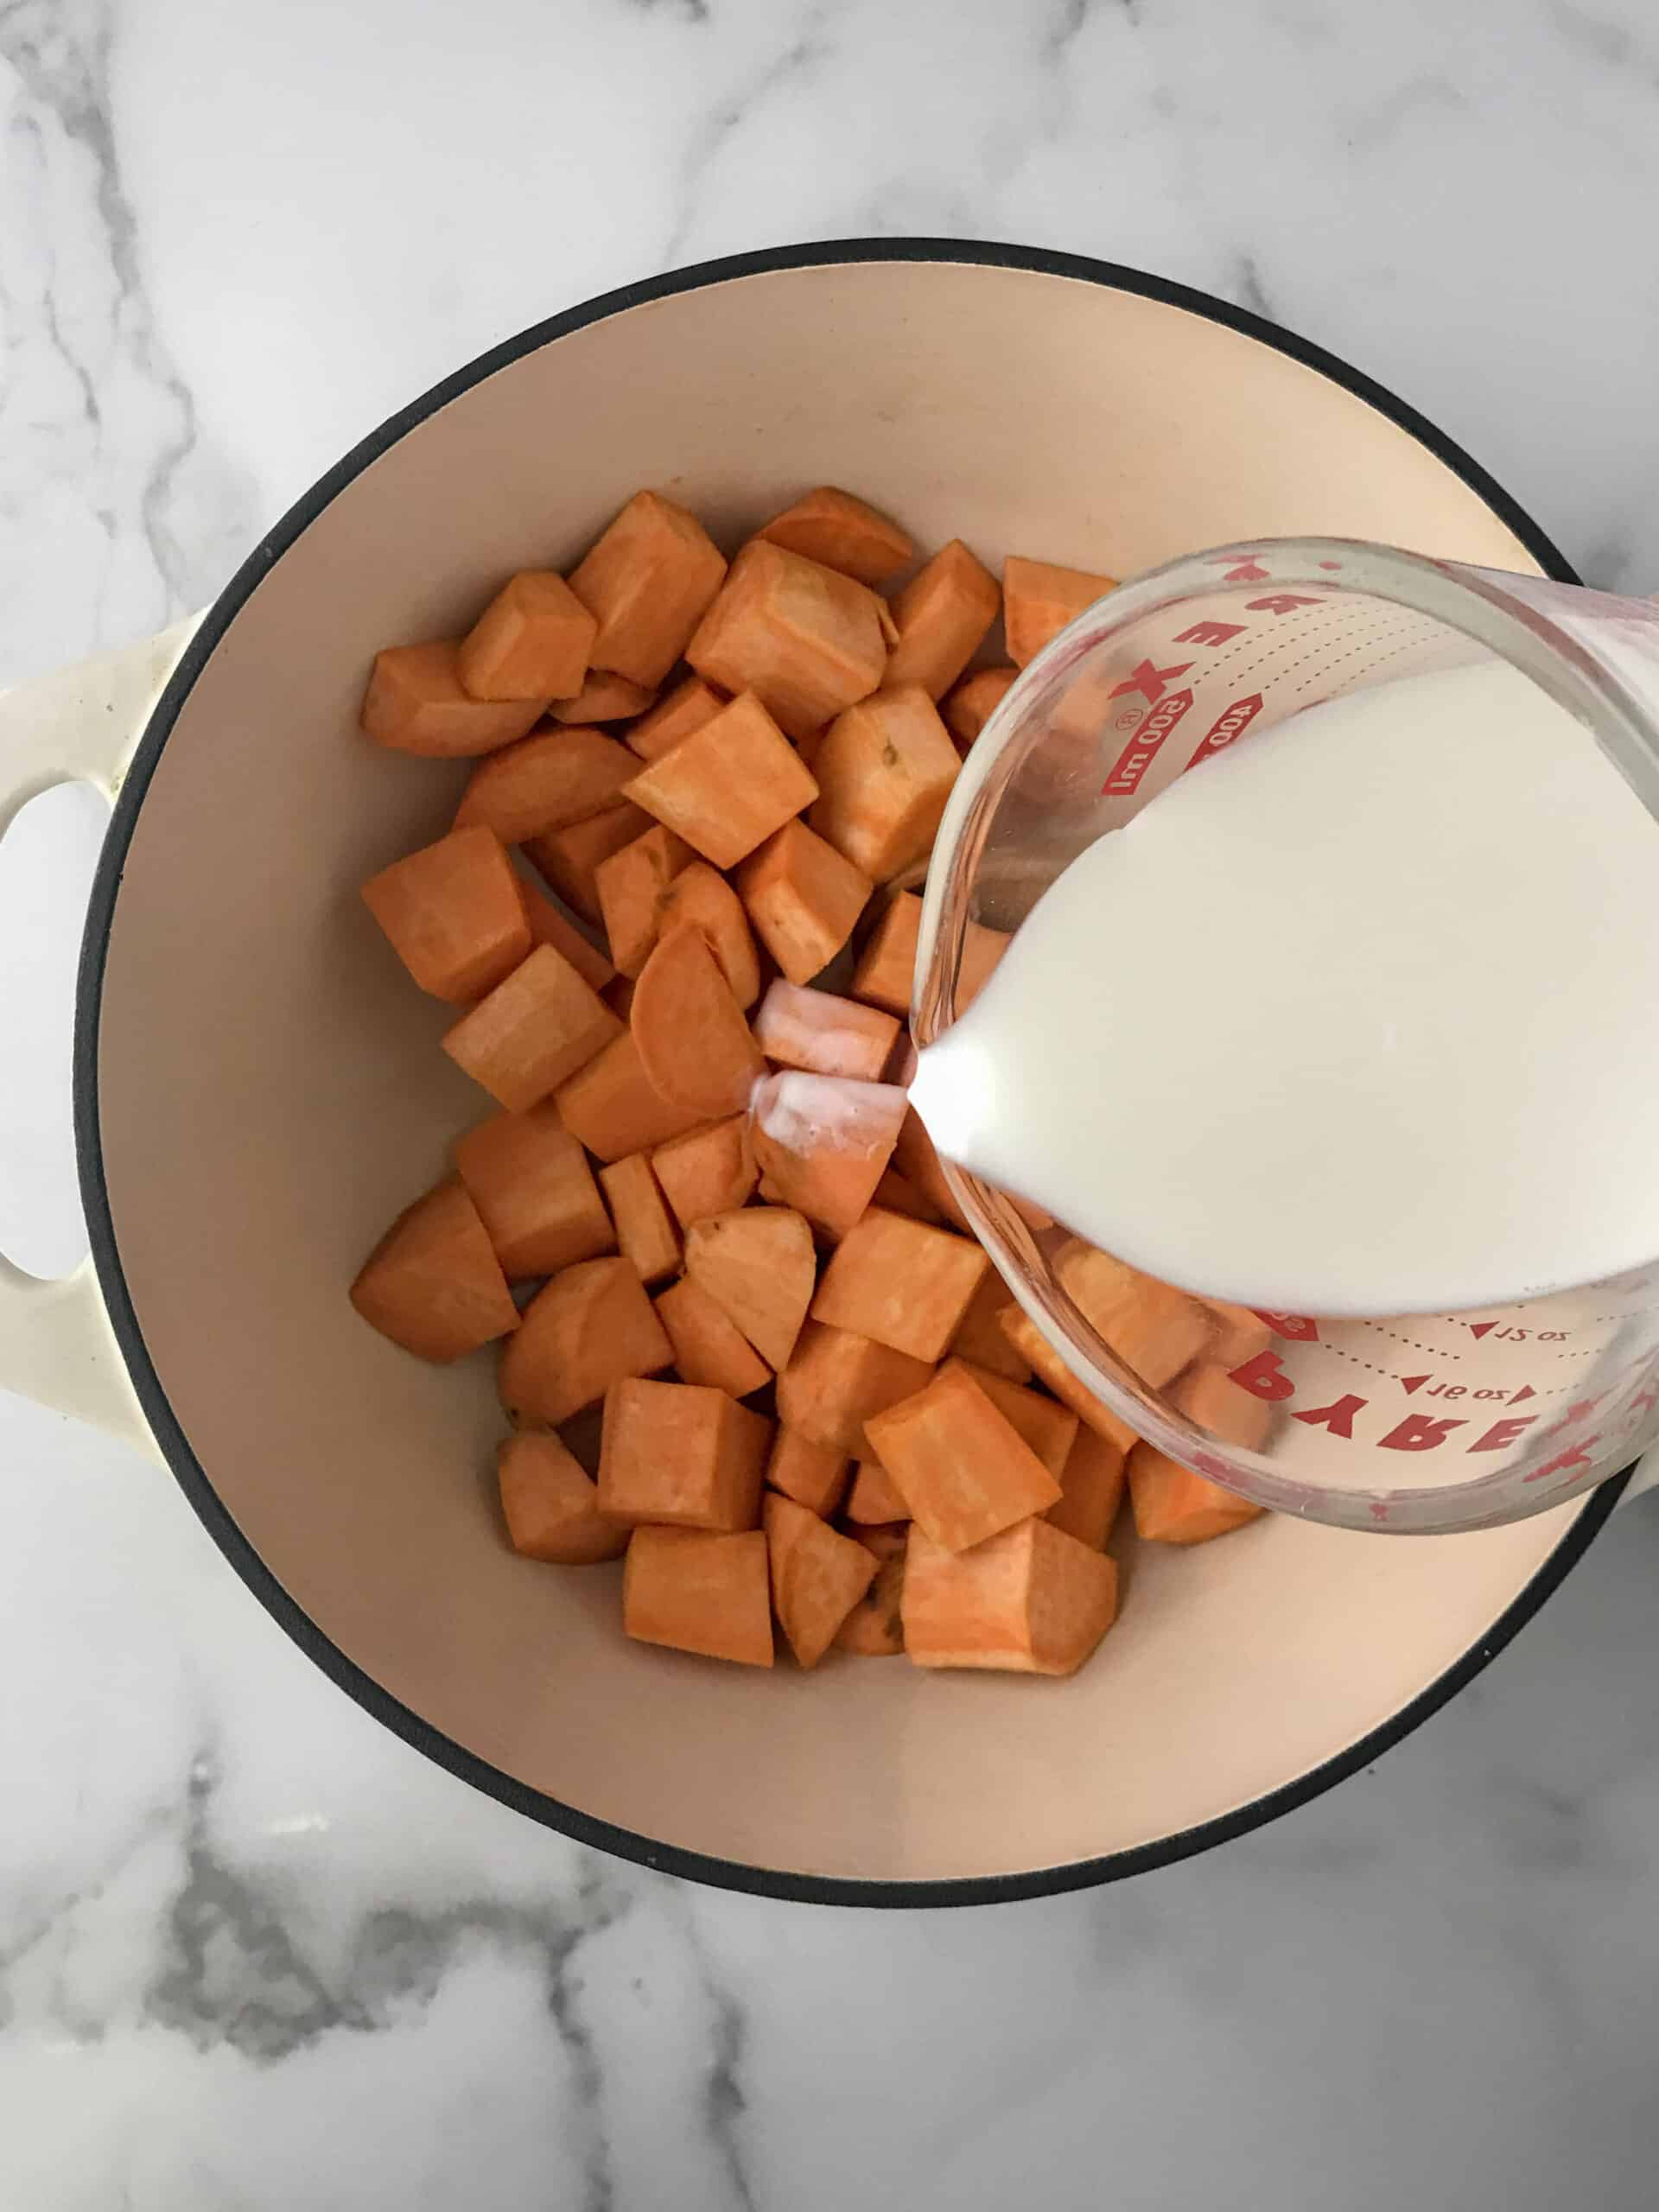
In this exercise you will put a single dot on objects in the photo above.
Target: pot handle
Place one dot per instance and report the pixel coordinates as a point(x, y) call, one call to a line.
point(80, 725)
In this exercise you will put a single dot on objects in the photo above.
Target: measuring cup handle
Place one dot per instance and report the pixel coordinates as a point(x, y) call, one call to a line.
point(78, 726)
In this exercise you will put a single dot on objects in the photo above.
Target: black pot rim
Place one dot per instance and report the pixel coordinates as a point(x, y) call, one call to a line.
point(193, 1477)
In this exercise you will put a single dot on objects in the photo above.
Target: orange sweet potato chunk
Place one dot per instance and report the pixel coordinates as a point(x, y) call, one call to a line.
point(415, 703)
point(649, 579)
point(914, 1157)
point(874, 1497)
point(884, 771)
point(886, 973)
point(980, 1335)
point(1039, 598)
point(835, 1382)
point(1240, 1335)
point(644, 1230)
point(611, 1106)
point(604, 698)
point(806, 640)
point(694, 1044)
point(708, 1347)
point(569, 857)
point(841, 532)
point(1174, 1506)
point(902, 1282)
point(1223, 1408)
point(962, 1468)
point(630, 885)
point(589, 1327)
point(817, 1576)
point(681, 1456)
point(551, 1505)
point(535, 1192)
point(874, 1629)
point(804, 898)
point(546, 781)
point(758, 1266)
point(822, 1034)
point(533, 1032)
point(822, 1143)
point(969, 706)
point(432, 1283)
point(1154, 1328)
point(454, 913)
point(707, 1170)
point(1091, 1485)
point(1032, 1600)
point(1029, 1343)
point(1049, 1430)
point(729, 785)
point(676, 715)
point(549, 924)
point(697, 1591)
point(942, 615)
point(532, 641)
point(896, 1193)
point(814, 1475)
point(700, 898)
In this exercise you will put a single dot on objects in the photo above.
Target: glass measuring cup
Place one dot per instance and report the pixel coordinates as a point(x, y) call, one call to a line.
point(1420, 1423)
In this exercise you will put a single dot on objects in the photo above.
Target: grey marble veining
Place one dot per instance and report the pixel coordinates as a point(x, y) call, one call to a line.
point(255, 1953)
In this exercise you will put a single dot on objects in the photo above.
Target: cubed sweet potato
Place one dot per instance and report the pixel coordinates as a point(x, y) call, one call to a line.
point(690, 704)
point(533, 1032)
point(1240, 1335)
point(942, 615)
point(896, 1193)
point(649, 579)
point(1154, 1328)
point(700, 898)
point(823, 1034)
point(432, 1283)
point(915, 1159)
point(1032, 1600)
point(548, 780)
point(1039, 598)
point(588, 1328)
point(806, 640)
point(874, 1497)
point(903, 1282)
point(535, 1192)
point(758, 1266)
point(694, 1044)
point(1174, 1506)
point(604, 698)
point(980, 1335)
point(804, 898)
point(1223, 1408)
point(874, 1629)
point(835, 1382)
point(645, 1231)
point(1033, 1347)
point(817, 1576)
point(1050, 1430)
point(1091, 1487)
point(415, 702)
point(841, 532)
point(697, 1590)
point(708, 1347)
point(729, 785)
point(551, 1505)
point(611, 1106)
point(569, 858)
point(823, 1143)
point(884, 772)
point(454, 913)
point(962, 1468)
point(630, 884)
point(814, 1475)
point(707, 1170)
point(967, 708)
point(532, 641)
point(886, 973)
point(549, 924)
point(681, 1456)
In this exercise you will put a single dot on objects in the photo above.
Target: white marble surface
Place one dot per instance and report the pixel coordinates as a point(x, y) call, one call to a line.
point(253, 1953)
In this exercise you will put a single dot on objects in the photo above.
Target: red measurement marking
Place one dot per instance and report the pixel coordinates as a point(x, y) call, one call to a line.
point(1413, 1382)
point(1525, 1391)
point(1296, 1326)
point(1419, 1432)
point(1576, 1455)
point(1502, 1434)
point(1249, 570)
point(1151, 682)
point(1479, 1328)
point(1228, 726)
point(1264, 1377)
point(1278, 603)
point(1337, 1417)
point(1210, 633)
point(1329, 564)
point(1138, 756)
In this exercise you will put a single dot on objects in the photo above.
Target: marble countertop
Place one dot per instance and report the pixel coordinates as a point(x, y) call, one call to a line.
point(254, 1953)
